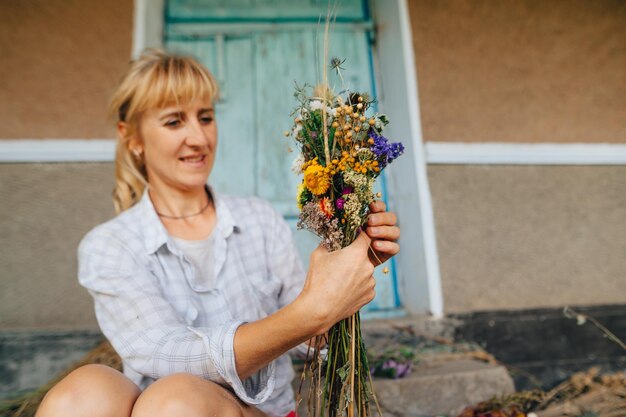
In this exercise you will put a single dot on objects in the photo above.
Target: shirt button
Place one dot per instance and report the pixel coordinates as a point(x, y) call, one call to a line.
point(192, 314)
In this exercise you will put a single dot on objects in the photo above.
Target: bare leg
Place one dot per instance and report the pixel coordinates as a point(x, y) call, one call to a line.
point(190, 396)
point(90, 391)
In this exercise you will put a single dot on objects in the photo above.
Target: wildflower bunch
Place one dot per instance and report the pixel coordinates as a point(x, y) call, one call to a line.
point(342, 152)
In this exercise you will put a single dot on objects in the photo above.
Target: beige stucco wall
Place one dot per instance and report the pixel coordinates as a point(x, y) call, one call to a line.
point(60, 61)
point(512, 237)
point(508, 237)
point(521, 70)
point(46, 209)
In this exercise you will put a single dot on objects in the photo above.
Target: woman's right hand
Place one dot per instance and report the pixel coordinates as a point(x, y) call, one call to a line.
point(338, 283)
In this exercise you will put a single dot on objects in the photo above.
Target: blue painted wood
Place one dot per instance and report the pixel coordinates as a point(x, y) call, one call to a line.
point(237, 144)
point(257, 74)
point(274, 10)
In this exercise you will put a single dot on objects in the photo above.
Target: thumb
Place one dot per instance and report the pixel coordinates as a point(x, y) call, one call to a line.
point(318, 252)
point(362, 241)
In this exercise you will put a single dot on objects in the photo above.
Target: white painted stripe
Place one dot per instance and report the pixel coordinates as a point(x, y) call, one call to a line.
point(147, 26)
point(139, 28)
point(526, 153)
point(87, 150)
point(57, 150)
point(433, 275)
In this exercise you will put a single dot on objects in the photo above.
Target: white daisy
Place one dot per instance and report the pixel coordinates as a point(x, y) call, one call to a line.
point(316, 105)
point(296, 166)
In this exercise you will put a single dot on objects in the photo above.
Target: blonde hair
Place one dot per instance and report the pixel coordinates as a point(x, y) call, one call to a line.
point(155, 80)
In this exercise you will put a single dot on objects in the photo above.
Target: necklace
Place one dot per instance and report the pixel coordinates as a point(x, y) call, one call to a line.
point(167, 216)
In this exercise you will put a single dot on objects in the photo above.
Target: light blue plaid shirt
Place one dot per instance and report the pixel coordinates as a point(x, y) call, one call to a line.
point(162, 318)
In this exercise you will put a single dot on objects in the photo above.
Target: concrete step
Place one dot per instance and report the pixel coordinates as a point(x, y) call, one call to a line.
point(446, 377)
point(442, 389)
point(435, 389)
point(29, 358)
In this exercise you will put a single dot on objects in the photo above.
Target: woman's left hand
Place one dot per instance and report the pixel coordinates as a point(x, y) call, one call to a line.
point(381, 228)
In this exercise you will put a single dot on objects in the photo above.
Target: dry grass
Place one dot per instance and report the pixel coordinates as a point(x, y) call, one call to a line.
point(583, 394)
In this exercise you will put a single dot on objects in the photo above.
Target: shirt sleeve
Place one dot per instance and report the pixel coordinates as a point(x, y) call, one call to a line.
point(284, 260)
point(286, 266)
point(147, 332)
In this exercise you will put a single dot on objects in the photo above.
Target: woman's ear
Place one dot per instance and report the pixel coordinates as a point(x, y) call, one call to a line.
point(133, 143)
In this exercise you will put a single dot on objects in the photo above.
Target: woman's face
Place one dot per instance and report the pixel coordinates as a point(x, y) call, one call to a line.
point(179, 145)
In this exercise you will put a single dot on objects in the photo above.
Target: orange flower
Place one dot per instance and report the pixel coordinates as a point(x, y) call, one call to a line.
point(326, 206)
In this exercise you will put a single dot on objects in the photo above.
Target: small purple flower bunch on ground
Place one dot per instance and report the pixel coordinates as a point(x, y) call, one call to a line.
point(392, 369)
point(393, 364)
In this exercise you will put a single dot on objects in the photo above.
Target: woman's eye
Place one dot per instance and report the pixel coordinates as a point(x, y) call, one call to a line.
point(172, 123)
point(206, 119)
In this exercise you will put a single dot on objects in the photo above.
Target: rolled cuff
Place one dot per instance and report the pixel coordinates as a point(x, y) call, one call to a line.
point(303, 351)
point(255, 389)
point(306, 353)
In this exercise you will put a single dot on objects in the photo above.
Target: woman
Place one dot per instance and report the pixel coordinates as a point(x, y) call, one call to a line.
point(200, 294)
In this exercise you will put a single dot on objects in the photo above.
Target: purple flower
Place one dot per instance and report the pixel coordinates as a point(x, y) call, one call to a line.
point(339, 203)
point(313, 134)
point(401, 369)
point(385, 152)
point(346, 190)
point(392, 369)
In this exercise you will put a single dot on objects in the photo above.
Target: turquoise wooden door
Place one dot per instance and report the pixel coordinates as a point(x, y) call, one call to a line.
point(256, 54)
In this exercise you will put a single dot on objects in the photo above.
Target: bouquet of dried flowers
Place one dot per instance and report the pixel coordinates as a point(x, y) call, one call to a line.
point(342, 152)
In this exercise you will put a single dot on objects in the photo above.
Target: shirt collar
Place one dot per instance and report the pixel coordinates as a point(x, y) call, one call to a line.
point(156, 235)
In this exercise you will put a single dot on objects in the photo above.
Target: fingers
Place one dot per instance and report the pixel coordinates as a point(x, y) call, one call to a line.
point(386, 247)
point(382, 229)
point(377, 206)
point(362, 241)
point(357, 253)
point(383, 232)
point(386, 218)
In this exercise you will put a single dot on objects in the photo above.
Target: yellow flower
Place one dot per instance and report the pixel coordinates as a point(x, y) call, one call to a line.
point(316, 180)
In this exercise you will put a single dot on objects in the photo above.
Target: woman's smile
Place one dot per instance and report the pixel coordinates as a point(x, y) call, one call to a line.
point(194, 160)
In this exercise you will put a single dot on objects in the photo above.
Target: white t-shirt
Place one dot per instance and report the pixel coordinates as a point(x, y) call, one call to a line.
point(201, 254)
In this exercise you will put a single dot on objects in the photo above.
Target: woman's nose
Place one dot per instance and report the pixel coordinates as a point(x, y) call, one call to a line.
point(196, 135)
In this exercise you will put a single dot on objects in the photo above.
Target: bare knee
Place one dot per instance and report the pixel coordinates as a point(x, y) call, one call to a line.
point(91, 390)
point(187, 395)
